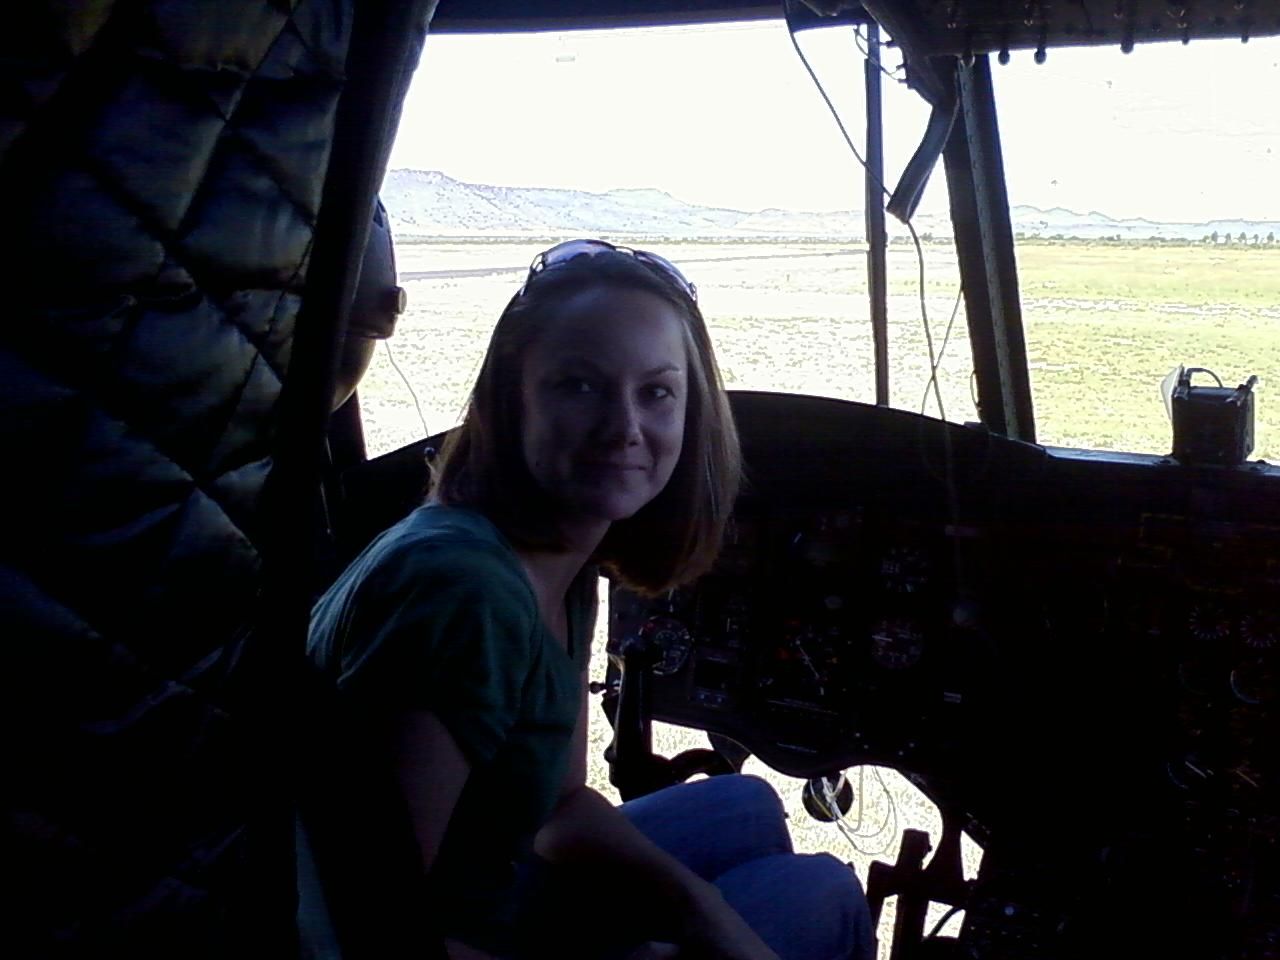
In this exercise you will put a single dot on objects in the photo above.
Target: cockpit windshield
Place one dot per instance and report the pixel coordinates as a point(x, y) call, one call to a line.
point(710, 144)
point(1146, 213)
point(1144, 217)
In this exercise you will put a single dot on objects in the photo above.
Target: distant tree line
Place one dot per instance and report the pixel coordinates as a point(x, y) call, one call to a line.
point(1240, 238)
point(1115, 239)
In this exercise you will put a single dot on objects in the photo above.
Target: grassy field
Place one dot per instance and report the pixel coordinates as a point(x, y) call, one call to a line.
point(1104, 324)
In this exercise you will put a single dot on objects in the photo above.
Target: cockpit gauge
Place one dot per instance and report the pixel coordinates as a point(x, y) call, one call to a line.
point(1190, 771)
point(806, 664)
point(904, 569)
point(1260, 630)
point(897, 643)
point(1199, 675)
point(1254, 681)
point(671, 642)
point(1209, 621)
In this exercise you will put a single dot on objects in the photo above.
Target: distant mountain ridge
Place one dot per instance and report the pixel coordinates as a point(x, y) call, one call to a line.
point(428, 203)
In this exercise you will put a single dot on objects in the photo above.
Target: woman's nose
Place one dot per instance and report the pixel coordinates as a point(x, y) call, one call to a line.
point(622, 421)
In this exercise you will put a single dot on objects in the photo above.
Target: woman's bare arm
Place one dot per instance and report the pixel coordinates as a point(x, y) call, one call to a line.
point(431, 771)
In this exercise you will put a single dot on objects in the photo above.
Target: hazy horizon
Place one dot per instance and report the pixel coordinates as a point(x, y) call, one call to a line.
point(725, 116)
point(852, 209)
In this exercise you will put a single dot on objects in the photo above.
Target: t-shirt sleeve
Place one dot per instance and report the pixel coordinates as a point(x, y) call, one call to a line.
point(445, 628)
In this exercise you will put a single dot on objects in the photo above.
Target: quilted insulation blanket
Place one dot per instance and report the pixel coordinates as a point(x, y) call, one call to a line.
point(161, 169)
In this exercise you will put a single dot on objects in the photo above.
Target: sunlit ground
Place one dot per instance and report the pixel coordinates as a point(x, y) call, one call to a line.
point(1104, 326)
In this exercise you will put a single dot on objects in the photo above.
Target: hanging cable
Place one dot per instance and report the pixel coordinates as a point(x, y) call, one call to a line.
point(791, 32)
point(928, 334)
point(946, 338)
point(852, 833)
point(948, 478)
point(862, 44)
point(788, 7)
point(408, 386)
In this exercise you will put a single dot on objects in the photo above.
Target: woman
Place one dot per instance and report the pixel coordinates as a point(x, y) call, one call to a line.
point(597, 436)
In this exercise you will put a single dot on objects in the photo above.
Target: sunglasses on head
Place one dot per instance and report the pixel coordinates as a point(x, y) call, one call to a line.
point(562, 253)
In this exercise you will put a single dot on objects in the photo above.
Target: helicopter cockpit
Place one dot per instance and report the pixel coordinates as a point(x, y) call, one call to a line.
point(987, 615)
point(1068, 648)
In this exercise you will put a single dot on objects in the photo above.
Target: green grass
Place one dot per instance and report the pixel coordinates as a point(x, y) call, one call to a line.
point(1104, 324)
point(1194, 275)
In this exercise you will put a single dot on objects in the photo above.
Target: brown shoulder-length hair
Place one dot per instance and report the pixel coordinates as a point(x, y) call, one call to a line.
point(673, 538)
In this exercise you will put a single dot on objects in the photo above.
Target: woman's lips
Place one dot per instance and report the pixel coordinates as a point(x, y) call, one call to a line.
point(605, 466)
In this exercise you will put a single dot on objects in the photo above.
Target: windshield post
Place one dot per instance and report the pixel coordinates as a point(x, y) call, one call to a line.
point(877, 242)
point(984, 249)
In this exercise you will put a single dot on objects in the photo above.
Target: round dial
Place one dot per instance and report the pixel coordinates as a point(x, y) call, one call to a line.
point(1260, 629)
point(671, 641)
point(806, 664)
point(1209, 621)
point(1254, 681)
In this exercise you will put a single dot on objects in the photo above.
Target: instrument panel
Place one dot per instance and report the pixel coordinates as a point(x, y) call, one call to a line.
point(822, 640)
point(1035, 636)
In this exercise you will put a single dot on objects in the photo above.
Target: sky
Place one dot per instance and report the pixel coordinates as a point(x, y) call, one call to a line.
point(725, 115)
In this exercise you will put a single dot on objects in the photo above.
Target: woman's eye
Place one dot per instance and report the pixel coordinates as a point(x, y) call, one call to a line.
point(659, 391)
point(576, 385)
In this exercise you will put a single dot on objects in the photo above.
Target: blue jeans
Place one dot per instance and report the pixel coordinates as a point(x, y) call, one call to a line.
point(731, 830)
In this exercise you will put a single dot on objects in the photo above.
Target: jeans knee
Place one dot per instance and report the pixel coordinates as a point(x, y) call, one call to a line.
point(751, 794)
point(742, 793)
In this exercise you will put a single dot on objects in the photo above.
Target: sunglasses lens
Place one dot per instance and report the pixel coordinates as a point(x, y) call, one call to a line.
point(564, 252)
point(669, 268)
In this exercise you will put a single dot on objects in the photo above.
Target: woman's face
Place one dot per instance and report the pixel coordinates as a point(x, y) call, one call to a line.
point(604, 390)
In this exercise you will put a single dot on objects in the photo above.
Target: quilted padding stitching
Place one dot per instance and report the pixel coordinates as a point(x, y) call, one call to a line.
point(260, 337)
point(171, 243)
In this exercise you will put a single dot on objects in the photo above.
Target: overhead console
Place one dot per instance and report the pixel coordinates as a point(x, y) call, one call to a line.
point(964, 27)
point(1073, 653)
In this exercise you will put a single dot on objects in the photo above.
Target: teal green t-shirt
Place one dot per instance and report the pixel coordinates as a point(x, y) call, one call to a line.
point(437, 614)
